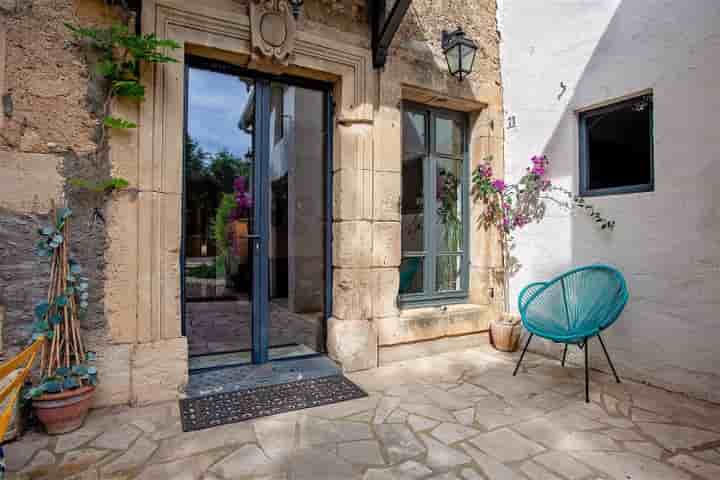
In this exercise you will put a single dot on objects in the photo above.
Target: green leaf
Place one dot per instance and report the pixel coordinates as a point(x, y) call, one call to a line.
point(80, 370)
point(41, 309)
point(70, 382)
point(62, 371)
point(41, 326)
point(107, 68)
point(92, 370)
point(47, 231)
point(64, 213)
point(52, 386)
point(61, 301)
point(90, 356)
point(55, 319)
point(128, 88)
point(119, 123)
point(75, 269)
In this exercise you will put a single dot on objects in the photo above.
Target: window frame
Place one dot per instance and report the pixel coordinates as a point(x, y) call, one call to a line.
point(430, 253)
point(584, 154)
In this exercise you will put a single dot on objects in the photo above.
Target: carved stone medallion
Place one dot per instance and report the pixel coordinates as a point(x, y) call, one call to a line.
point(272, 28)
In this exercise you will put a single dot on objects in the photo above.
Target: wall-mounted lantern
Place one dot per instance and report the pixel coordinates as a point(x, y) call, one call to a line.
point(459, 52)
point(295, 5)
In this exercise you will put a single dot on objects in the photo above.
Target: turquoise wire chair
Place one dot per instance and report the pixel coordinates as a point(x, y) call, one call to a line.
point(573, 308)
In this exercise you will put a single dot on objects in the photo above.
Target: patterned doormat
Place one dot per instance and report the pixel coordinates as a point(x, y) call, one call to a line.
point(231, 407)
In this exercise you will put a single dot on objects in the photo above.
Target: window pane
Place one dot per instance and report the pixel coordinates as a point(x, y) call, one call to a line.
point(414, 135)
point(448, 273)
point(448, 136)
point(277, 111)
point(411, 275)
point(619, 146)
point(413, 231)
point(448, 201)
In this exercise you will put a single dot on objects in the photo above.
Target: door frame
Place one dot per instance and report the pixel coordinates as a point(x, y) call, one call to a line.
point(261, 184)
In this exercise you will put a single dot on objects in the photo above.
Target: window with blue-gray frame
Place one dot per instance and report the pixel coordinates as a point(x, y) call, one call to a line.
point(616, 148)
point(434, 206)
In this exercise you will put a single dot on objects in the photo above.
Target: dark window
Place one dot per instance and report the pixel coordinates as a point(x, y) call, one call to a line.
point(616, 148)
point(434, 206)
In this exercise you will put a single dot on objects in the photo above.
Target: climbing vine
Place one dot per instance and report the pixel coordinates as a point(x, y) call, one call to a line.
point(121, 56)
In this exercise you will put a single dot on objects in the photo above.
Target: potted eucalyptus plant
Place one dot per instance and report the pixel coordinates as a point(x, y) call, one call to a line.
point(509, 207)
point(64, 394)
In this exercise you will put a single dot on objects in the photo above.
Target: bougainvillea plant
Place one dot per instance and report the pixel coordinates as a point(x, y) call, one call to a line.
point(508, 207)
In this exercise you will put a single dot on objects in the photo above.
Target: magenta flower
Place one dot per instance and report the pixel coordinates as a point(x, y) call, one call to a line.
point(485, 170)
point(498, 185)
point(240, 184)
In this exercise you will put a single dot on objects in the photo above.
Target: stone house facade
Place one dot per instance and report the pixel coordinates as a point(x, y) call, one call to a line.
point(49, 130)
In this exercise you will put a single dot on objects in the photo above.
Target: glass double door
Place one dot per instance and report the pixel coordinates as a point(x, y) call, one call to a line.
point(256, 234)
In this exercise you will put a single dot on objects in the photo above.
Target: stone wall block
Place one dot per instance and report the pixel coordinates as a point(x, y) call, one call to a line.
point(352, 294)
point(352, 194)
point(113, 364)
point(355, 142)
point(386, 244)
point(386, 196)
point(353, 344)
point(465, 319)
point(385, 285)
point(480, 285)
point(159, 371)
point(388, 152)
point(422, 324)
point(170, 232)
point(120, 282)
point(489, 122)
point(124, 143)
point(29, 181)
point(352, 244)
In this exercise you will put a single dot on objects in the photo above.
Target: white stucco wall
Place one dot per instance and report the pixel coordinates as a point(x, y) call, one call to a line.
point(667, 242)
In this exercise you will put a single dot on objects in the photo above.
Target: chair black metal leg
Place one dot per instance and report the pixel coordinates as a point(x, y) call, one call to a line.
point(517, 367)
point(587, 374)
point(612, 367)
point(564, 355)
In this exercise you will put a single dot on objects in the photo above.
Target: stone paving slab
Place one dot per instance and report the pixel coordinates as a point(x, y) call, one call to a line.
point(452, 416)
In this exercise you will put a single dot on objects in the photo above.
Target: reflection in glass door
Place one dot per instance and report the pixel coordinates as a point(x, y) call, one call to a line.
point(296, 147)
point(219, 217)
point(256, 212)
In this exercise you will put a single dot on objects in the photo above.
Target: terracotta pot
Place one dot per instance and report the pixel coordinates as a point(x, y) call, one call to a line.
point(505, 333)
point(64, 412)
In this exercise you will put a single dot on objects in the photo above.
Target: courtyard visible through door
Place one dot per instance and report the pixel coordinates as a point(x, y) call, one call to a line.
point(255, 236)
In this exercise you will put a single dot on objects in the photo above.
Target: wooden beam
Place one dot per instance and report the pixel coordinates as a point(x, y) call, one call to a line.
point(384, 29)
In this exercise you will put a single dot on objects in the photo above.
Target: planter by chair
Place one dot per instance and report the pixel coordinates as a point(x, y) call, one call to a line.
point(505, 332)
point(64, 412)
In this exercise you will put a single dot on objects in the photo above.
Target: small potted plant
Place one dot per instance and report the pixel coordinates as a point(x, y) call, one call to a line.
point(510, 207)
point(64, 394)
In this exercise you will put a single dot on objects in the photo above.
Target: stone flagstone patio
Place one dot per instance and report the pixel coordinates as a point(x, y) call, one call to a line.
point(454, 416)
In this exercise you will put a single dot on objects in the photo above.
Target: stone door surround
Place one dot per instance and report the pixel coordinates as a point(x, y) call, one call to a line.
point(219, 29)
